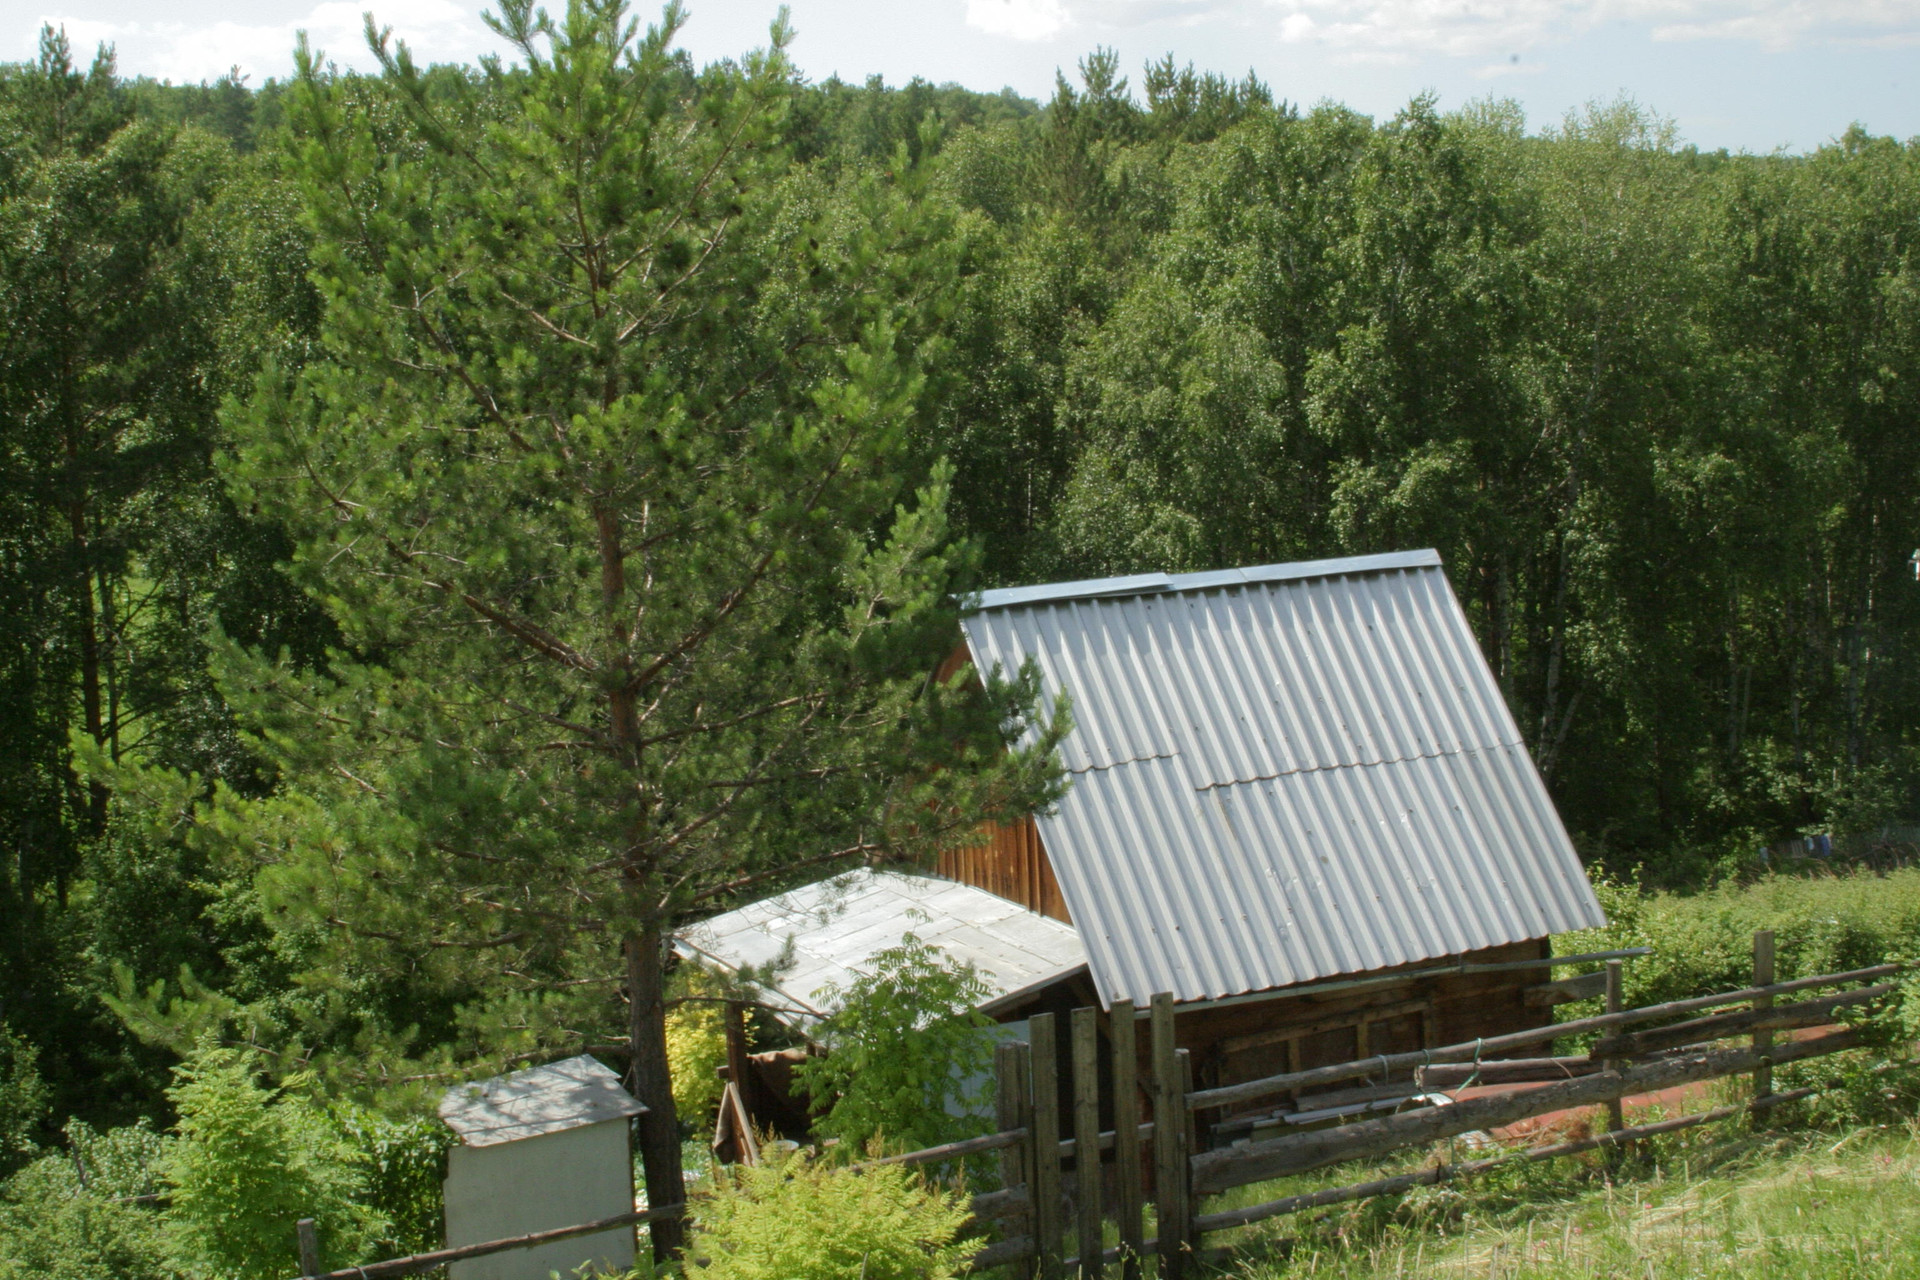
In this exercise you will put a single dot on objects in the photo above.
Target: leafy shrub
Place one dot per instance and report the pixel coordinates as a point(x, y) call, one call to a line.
point(405, 1170)
point(53, 1229)
point(250, 1162)
point(696, 1050)
point(906, 1051)
point(1703, 941)
point(23, 1100)
point(793, 1220)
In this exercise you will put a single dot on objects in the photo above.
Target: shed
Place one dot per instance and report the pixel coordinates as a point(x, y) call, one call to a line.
point(1299, 803)
point(825, 934)
point(542, 1148)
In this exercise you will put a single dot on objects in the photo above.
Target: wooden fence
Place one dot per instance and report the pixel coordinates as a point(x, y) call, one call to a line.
point(1067, 1183)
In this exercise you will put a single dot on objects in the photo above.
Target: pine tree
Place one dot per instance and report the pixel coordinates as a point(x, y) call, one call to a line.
point(601, 476)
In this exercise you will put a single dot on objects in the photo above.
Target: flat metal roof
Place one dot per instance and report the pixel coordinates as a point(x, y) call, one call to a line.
point(827, 933)
point(525, 1104)
point(1284, 773)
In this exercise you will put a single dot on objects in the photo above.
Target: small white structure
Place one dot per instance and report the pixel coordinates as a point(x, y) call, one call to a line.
point(827, 933)
point(540, 1149)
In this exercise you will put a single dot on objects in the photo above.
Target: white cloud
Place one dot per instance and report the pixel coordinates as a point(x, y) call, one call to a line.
point(436, 30)
point(1020, 19)
point(1479, 28)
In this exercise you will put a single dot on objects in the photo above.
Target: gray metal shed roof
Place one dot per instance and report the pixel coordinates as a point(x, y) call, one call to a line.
point(835, 927)
point(1284, 773)
point(525, 1104)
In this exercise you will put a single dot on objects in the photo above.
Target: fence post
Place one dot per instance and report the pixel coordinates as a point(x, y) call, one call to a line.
point(1088, 1235)
point(1171, 1173)
point(1616, 1108)
point(1043, 1187)
point(309, 1247)
point(1189, 1202)
point(1762, 1040)
point(1013, 1109)
point(1126, 1138)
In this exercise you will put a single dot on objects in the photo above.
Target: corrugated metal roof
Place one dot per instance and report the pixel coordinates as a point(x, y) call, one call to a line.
point(1285, 773)
point(525, 1104)
point(834, 928)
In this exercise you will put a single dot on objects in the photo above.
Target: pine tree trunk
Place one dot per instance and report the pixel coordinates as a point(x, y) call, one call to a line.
point(653, 1086)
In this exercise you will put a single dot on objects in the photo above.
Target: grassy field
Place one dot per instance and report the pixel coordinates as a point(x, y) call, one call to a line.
point(1804, 1205)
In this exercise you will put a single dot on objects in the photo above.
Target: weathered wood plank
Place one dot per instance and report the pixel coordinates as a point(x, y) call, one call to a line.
point(1013, 1107)
point(1448, 1172)
point(1169, 1116)
point(1044, 1156)
point(1216, 1171)
point(1453, 1075)
point(949, 1150)
point(1616, 981)
point(1805, 1013)
point(1762, 1031)
point(1086, 1135)
point(1128, 1193)
point(416, 1263)
point(1546, 995)
point(1468, 1050)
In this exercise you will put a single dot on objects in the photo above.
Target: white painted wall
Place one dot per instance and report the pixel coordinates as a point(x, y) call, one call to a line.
point(533, 1184)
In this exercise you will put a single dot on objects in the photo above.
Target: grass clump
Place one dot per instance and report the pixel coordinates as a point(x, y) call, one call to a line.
point(1711, 1207)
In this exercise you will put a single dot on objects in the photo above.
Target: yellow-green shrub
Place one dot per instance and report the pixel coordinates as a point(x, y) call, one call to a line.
point(696, 1050)
point(795, 1220)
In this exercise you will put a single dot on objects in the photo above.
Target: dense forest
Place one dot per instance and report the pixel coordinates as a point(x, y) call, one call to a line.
point(266, 769)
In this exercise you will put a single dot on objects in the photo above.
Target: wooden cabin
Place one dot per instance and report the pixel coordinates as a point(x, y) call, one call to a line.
point(1298, 803)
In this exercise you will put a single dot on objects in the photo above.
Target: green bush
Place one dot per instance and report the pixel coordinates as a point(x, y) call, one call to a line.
point(1703, 941)
point(23, 1100)
point(405, 1169)
point(907, 1050)
point(52, 1229)
point(248, 1164)
point(793, 1220)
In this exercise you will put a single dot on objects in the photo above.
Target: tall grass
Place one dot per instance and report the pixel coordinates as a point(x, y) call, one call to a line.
point(1806, 1206)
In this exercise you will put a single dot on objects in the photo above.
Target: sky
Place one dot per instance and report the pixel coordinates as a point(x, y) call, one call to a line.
point(1754, 75)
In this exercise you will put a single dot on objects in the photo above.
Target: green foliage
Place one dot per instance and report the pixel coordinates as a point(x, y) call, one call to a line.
point(696, 1050)
point(23, 1100)
point(52, 1229)
point(907, 1052)
point(1654, 407)
point(54, 1225)
point(1703, 941)
point(249, 1162)
point(793, 1220)
point(404, 1173)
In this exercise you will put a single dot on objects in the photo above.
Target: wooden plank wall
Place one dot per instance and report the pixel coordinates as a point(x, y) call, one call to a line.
point(1262, 1038)
point(1012, 864)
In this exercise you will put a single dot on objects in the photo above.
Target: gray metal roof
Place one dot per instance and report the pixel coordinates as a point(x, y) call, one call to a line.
point(526, 1104)
point(828, 932)
point(1284, 773)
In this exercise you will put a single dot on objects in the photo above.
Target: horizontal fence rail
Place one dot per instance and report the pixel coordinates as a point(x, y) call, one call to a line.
point(419, 1262)
point(1467, 1051)
point(1065, 1180)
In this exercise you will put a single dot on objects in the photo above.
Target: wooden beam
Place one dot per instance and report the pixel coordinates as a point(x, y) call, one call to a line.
point(1128, 1193)
point(1216, 1171)
point(1467, 1051)
point(1044, 1156)
point(1455, 1075)
point(1545, 995)
point(1088, 1228)
point(1761, 1020)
